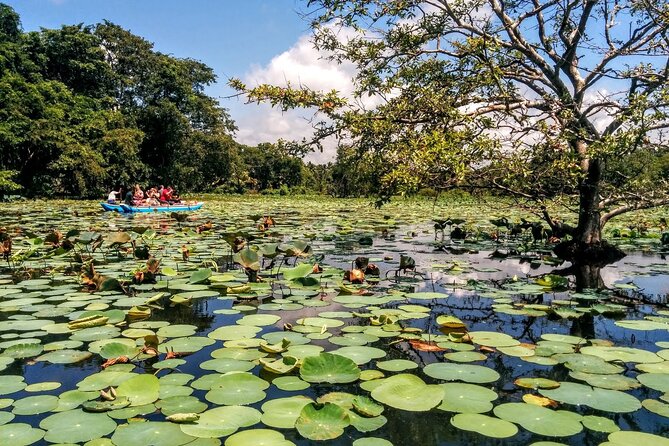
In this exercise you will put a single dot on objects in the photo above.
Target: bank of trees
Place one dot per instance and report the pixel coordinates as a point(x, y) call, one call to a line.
point(86, 108)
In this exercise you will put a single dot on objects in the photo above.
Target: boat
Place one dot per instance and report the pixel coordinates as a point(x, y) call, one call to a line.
point(127, 209)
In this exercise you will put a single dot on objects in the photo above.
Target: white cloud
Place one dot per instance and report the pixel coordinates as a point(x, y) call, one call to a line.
point(300, 65)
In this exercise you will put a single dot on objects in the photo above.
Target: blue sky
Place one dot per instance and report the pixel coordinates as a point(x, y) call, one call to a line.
point(255, 40)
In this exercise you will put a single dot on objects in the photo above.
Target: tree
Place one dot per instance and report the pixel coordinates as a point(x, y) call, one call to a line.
point(528, 97)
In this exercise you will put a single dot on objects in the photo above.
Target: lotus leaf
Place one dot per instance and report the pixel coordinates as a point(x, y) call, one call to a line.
point(188, 344)
point(602, 399)
point(280, 366)
point(259, 320)
point(626, 438)
point(372, 441)
point(588, 364)
point(466, 356)
point(140, 389)
point(365, 406)
point(224, 365)
point(237, 388)
point(360, 354)
point(11, 383)
point(408, 392)
point(150, 433)
point(65, 356)
point(238, 353)
point(461, 372)
point(539, 420)
point(283, 412)
point(484, 425)
point(599, 424)
point(324, 423)
point(330, 368)
point(258, 437)
point(181, 404)
point(290, 383)
point(23, 350)
point(536, 383)
point(657, 407)
point(613, 382)
point(222, 421)
point(176, 331)
point(366, 424)
point(396, 365)
point(234, 332)
point(19, 434)
point(302, 351)
point(76, 426)
point(624, 354)
point(466, 398)
point(655, 381)
point(34, 405)
point(492, 339)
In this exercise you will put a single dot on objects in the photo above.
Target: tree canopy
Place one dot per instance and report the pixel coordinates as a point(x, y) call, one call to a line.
point(537, 98)
point(91, 107)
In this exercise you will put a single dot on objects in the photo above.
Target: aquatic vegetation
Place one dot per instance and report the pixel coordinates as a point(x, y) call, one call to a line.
point(224, 346)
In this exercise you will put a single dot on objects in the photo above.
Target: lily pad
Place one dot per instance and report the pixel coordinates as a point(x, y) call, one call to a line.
point(408, 392)
point(330, 368)
point(324, 423)
point(461, 372)
point(258, 437)
point(283, 412)
point(539, 420)
point(484, 425)
point(76, 426)
point(150, 433)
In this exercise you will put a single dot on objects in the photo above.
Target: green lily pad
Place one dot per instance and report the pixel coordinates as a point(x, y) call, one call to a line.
point(599, 424)
point(237, 388)
point(602, 399)
point(25, 350)
point(150, 433)
point(324, 423)
point(461, 372)
point(65, 356)
point(624, 354)
point(283, 412)
point(330, 368)
point(360, 354)
point(484, 425)
point(11, 383)
point(492, 339)
point(657, 407)
point(626, 438)
point(34, 405)
point(539, 420)
point(290, 383)
point(396, 365)
point(140, 389)
point(408, 392)
point(176, 331)
point(222, 421)
point(655, 381)
point(76, 426)
point(258, 437)
point(19, 434)
point(234, 332)
point(181, 404)
point(466, 398)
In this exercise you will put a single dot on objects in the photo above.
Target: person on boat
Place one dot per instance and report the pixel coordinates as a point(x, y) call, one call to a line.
point(174, 196)
point(166, 195)
point(114, 195)
point(128, 197)
point(152, 197)
point(138, 196)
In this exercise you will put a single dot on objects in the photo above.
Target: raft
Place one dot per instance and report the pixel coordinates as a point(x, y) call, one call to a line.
point(126, 209)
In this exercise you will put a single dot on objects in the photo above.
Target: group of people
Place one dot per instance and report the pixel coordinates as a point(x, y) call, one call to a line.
point(135, 196)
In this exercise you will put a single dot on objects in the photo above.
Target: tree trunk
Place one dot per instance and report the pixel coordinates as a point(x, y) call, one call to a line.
point(589, 229)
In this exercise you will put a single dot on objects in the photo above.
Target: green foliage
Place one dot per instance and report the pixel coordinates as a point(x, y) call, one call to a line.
point(88, 108)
